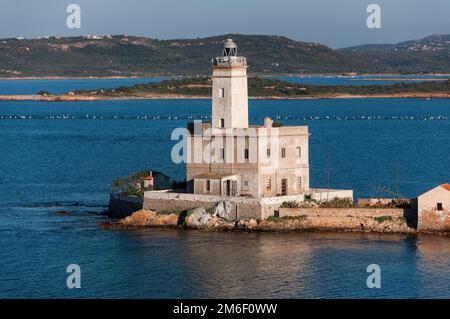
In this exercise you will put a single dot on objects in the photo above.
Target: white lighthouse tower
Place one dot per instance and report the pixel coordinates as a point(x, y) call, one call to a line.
point(229, 85)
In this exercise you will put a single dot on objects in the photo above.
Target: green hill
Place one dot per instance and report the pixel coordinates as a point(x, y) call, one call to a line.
point(139, 56)
point(430, 54)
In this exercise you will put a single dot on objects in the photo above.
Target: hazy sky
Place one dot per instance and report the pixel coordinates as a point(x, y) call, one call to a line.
point(337, 23)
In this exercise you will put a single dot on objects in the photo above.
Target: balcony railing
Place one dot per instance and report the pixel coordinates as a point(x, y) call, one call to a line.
point(230, 61)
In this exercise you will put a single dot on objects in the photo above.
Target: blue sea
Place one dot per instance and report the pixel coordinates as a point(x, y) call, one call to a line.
point(60, 86)
point(63, 157)
point(361, 79)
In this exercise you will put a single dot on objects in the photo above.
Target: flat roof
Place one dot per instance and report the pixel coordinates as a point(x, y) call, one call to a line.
point(213, 176)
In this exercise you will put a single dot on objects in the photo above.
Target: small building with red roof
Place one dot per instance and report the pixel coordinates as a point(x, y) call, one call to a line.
point(433, 209)
point(148, 181)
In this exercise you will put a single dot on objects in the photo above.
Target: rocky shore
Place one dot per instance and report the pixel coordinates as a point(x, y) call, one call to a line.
point(217, 220)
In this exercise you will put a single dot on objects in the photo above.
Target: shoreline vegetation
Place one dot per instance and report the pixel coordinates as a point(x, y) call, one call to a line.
point(259, 88)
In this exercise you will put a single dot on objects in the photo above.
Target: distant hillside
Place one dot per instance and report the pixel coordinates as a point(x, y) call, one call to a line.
point(138, 56)
point(430, 54)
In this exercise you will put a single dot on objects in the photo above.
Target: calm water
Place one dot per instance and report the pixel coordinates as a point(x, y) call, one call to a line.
point(360, 79)
point(63, 156)
point(66, 85)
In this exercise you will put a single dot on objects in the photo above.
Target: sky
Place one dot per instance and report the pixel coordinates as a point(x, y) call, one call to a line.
point(336, 23)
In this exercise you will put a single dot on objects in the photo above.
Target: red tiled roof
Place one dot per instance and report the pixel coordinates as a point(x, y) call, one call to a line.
point(446, 187)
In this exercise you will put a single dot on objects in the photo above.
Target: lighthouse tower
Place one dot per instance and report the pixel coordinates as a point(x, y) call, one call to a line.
point(229, 89)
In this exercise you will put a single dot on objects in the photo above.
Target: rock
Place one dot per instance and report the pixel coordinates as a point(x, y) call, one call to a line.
point(224, 209)
point(200, 218)
point(149, 218)
point(247, 223)
point(252, 223)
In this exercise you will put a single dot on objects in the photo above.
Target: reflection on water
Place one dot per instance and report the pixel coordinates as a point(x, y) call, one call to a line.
point(299, 265)
point(155, 263)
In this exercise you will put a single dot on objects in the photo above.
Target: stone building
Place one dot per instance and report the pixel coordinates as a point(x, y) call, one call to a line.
point(254, 168)
point(433, 209)
point(229, 157)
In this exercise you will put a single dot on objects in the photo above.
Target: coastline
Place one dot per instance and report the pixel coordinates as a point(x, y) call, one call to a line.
point(147, 219)
point(156, 96)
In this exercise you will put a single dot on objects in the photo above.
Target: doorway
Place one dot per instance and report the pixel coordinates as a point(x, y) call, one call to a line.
point(231, 188)
point(284, 186)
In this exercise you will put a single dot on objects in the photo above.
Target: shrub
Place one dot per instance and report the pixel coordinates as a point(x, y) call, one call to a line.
point(382, 219)
point(337, 203)
point(189, 211)
point(273, 218)
point(290, 204)
point(402, 219)
point(400, 203)
point(128, 185)
point(277, 124)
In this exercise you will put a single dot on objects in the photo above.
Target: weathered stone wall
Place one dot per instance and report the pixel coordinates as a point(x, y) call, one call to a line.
point(246, 207)
point(342, 212)
point(360, 219)
point(321, 194)
point(329, 223)
point(122, 206)
point(433, 220)
point(166, 201)
point(271, 205)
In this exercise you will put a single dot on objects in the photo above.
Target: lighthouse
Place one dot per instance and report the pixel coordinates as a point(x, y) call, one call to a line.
point(244, 170)
point(228, 157)
point(229, 89)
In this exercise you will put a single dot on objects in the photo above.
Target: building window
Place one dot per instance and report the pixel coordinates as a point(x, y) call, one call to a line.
point(222, 153)
point(439, 206)
point(246, 154)
point(208, 185)
point(283, 152)
point(268, 152)
point(299, 182)
point(222, 122)
point(269, 184)
point(245, 185)
point(221, 93)
point(299, 152)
